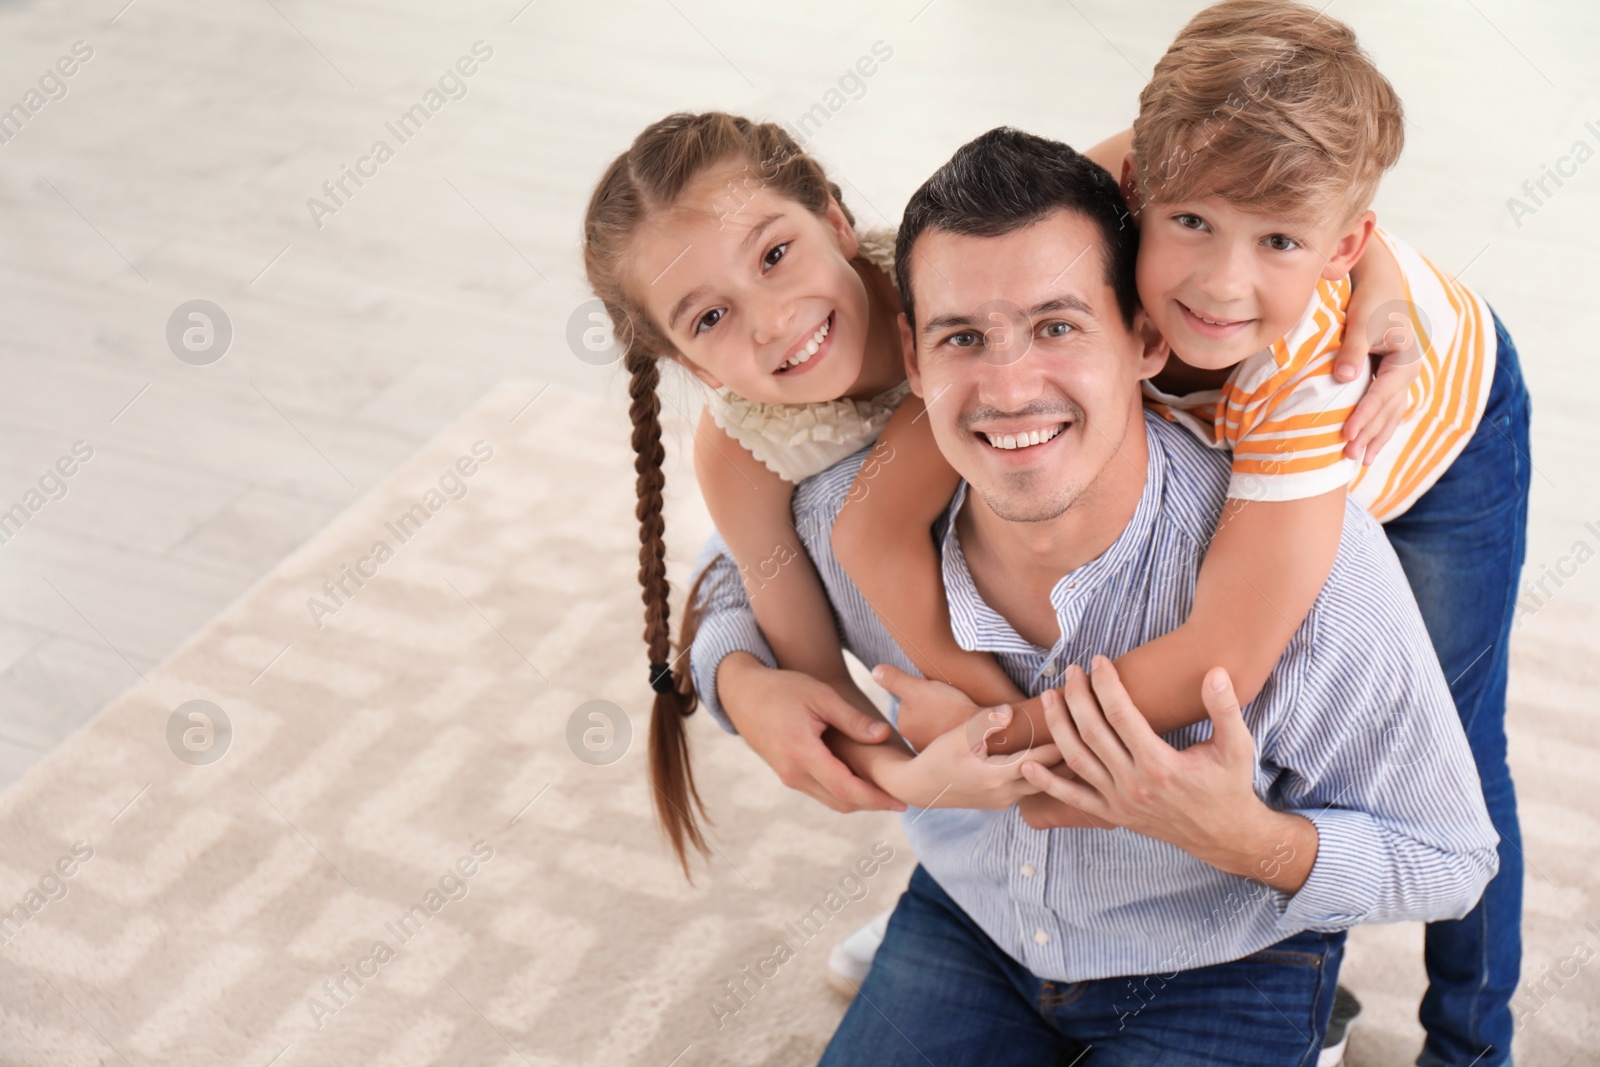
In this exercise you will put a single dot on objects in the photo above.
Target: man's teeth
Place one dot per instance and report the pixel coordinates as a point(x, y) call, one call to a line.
point(1023, 440)
point(811, 346)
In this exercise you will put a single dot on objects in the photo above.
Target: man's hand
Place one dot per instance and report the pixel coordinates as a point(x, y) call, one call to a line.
point(783, 714)
point(1201, 799)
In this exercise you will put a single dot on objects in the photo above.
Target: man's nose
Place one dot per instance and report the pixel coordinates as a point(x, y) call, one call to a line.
point(1012, 381)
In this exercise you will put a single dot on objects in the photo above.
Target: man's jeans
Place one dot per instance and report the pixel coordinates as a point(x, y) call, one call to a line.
point(940, 992)
point(1462, 547)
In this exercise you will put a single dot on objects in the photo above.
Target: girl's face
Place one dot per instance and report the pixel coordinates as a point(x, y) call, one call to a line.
point(755, 292)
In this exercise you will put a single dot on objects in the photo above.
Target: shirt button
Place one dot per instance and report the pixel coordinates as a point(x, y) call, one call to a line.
point(1040, 937)
point(1049, 670)
point(1028, 870)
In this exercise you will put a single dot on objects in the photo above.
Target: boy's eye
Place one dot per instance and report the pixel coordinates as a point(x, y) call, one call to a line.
point(1279, 243)
point(1190, 222)
point(774, 254)
point(708, 320)
point(965, 339)
point(1056, 328)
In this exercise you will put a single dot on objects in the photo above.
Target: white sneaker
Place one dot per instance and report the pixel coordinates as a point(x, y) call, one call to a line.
point(851, 958)
point(1345, 1009)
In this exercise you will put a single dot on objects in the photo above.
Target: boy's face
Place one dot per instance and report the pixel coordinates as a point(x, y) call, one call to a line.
point(1017, 336)
point(1223, 283)
point(742, 280)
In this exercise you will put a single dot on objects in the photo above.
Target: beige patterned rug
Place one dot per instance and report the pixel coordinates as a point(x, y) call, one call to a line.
point(385, 851)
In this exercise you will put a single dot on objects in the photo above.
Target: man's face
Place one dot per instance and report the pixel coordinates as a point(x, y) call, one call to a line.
point(1030, 376)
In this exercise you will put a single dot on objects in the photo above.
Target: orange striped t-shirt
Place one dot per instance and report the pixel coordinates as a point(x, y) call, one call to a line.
point(1281, 410)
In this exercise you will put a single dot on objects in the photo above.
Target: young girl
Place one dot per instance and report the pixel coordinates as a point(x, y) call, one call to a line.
point(716, 243)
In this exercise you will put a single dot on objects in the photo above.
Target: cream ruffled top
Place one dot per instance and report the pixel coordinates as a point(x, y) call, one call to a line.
point(796, 441)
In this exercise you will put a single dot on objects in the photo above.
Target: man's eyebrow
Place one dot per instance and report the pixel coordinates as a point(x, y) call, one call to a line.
point(683, 305)
point(1064, 302)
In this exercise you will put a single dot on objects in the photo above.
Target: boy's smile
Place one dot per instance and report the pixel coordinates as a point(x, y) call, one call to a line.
point(1223, 283)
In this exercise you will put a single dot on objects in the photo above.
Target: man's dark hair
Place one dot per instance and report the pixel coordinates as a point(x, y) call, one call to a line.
point(1005, 179)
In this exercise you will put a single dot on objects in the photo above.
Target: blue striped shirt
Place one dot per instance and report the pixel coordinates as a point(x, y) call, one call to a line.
point(1355, 730)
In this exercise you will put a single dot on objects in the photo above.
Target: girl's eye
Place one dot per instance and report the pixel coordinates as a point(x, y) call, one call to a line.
point(774, 254)
point(1190, 222)
point(1279, 243)
point(1056, 328)
point(708, 320)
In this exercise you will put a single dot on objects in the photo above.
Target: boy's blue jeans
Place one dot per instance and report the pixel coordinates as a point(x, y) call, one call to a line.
point(941, 992)
point(1462, 547)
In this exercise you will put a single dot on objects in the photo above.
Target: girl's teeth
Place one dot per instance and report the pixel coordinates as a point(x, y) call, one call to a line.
point(811, 346)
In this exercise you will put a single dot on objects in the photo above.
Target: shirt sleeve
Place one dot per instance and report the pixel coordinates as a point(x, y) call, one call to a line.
point(727, 625)
point(1282, 412)
point(1373, 753)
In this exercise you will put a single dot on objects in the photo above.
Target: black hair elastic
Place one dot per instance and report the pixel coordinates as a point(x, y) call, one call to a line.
point(661, 679)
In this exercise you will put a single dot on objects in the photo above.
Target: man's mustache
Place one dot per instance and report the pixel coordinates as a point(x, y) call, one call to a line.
point(1059, 411)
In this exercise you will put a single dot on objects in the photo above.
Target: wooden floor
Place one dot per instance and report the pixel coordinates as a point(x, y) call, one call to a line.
point(179, 159)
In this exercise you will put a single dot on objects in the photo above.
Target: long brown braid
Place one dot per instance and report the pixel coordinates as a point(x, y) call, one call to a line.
point(649, 177)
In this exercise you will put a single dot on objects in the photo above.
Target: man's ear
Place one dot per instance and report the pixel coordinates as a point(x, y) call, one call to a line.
point(1348, 248)
point(846, 233)
point(908, 350)
point(1153, 347)
point(695, 369)
point(1129, 184)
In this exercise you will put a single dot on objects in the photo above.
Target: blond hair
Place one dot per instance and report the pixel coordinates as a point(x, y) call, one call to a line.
point(648, 178)
point(1269, 105)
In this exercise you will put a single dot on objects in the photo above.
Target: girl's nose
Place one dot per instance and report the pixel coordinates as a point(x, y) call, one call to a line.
point(772, 322)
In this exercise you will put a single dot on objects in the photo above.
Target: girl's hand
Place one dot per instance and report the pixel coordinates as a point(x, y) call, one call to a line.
point(1379, 326)
point(928, 708)
point(956, 771)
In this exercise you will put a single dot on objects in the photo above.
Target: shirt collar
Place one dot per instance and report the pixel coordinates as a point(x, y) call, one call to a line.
point(978, 627)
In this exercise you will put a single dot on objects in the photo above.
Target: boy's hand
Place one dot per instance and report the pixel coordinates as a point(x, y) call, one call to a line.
point(1378, 328)
point(956, 771)
point(928, 708)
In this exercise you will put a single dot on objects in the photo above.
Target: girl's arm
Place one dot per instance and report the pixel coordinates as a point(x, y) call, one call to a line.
point(953, 771)
point(882, 539)
point(751, 507)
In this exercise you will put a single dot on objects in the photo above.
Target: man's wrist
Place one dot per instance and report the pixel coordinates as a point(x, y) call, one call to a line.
point(1272, 847)
point(734, 675)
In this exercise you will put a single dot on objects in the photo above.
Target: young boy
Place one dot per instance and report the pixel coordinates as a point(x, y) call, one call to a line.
point(1258, 149)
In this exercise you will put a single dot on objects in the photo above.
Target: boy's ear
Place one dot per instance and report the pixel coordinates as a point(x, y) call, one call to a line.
point(1153, 347)
point(846, 233)
point(695, 369)
point(1348, 248)
point(908, 350)
point(1129, 183)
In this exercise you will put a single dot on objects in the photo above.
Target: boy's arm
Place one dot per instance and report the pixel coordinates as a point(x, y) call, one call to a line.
point(882, 539)
point(1378, 326)
point(1262, 572)
point(752, 509)
point(1112, 151)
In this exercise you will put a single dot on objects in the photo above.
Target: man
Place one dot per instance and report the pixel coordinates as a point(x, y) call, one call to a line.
point(1209, 927)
